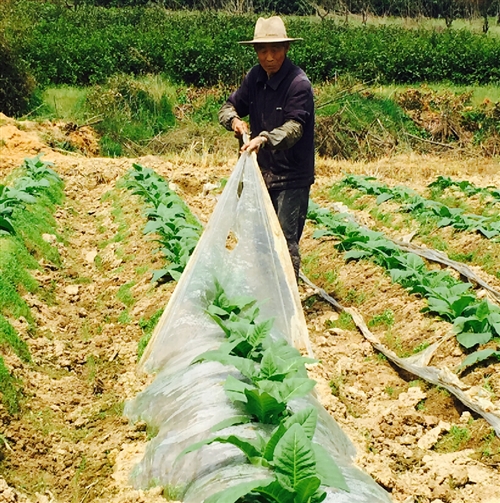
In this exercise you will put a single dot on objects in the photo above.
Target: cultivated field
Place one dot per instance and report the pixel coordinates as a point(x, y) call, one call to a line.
point(69, 441)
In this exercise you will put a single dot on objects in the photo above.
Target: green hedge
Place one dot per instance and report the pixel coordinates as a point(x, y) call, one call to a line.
point(89, 44)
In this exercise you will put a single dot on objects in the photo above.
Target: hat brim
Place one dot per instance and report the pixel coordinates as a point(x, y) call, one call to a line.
point(268, 40)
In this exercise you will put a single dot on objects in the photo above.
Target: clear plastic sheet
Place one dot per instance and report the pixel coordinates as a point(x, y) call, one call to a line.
point(242, 248)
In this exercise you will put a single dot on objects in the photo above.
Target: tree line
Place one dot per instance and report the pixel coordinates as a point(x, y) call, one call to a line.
point(438, 9)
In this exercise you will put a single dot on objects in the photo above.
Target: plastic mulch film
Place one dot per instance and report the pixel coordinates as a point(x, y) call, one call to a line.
point(243, 249)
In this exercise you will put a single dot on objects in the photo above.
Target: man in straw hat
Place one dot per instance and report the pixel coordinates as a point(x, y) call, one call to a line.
point(278, 98)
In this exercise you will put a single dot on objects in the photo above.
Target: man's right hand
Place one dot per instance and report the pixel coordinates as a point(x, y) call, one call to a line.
point(239, 127)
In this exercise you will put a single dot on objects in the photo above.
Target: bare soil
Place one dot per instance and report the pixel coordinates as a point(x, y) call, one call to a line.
point(71, 442)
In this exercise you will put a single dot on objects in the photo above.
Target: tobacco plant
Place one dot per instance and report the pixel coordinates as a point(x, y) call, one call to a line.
point(414, 203)
point(273, 373)
point(475, 322)
point(169, 218)
point(469, 189)
point(39, 177)
point(298, 466)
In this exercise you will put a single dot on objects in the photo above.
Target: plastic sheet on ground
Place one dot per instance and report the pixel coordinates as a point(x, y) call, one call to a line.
point(242, 248)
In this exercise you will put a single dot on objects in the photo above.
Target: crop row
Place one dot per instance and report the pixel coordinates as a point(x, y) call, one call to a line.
point(469, 189)
point(475, 322)
point(231, 402)
point(273, 373)
point(413, 202)
point(25, 214)
point(169, 218)
point(38, 177)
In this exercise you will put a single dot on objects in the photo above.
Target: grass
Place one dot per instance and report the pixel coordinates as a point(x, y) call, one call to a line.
point(394, 343)
point(147, 325)
point(336, 384)
point(344, 322)
point(475, 24)
point(355, 297)
point(480, 94)
point(150, 115)
point(10, 338)
point(454, 440)
point(65, 103)
point(385, 319)
point(10, 389)
point(124, 294)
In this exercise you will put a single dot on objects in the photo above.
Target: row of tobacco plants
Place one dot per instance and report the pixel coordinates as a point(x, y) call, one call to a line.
point(424, 208)
point(273, 373)
point(476, 322)
point(176, 228)
point(26, 208)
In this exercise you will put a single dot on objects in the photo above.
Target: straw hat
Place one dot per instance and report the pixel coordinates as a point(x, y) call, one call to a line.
point(271, 30)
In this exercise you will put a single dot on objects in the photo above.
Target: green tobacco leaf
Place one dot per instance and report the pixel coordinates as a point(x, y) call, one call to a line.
point(158, 274)
point(231, 421)
point(295, 387)
point(278, 491)
point(458, 306)
point(6, 226)
point(235, 389)
point(327, 470)
point(216, 310)
point(356, 254)
point(384, 197)
point(245, 366)
point(294, 456)
point(445, 222)
point(195, 447)
point(270, 365)
point(259, 332)
point(483, 310)
point(322, 232)
point(478, 356)
point(307, 418)
point(234, 493)
point(242, 303)
point(273, 441)
point(221, 322)
point(470, 339)
point(248, 446)
point(279, 363)
point(264, 406)
point(305, 489)
point(488, 233)
point(471, 324)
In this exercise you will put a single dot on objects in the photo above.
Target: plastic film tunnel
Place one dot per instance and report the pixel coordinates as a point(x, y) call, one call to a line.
point(244, 250)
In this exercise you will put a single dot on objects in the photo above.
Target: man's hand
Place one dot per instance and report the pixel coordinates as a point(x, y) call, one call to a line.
point(239, 127)
point(254, 144)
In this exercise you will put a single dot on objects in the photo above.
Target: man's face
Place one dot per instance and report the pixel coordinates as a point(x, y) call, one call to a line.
point(271, 56)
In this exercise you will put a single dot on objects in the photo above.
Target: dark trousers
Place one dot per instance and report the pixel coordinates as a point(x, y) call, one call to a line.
point(291, 207)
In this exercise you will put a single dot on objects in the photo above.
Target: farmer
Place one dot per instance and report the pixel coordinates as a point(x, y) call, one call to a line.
point(278, 98)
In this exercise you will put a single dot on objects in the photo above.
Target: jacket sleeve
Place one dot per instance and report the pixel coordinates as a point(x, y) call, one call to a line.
point(226, 115)
point(283, 137)
point(235, 106)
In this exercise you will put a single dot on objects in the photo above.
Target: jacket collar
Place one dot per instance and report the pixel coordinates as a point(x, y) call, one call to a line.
point(277, 78)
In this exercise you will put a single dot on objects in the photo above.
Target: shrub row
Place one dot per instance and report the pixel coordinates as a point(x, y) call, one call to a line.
point(89, 44)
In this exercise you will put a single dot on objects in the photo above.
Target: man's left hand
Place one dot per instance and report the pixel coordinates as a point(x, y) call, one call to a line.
point(254, 144)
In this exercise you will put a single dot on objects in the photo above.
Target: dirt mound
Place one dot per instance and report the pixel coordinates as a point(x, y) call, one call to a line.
point(20, 139)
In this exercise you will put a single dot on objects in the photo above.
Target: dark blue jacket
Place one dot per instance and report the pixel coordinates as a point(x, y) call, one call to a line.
point(287, 95)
